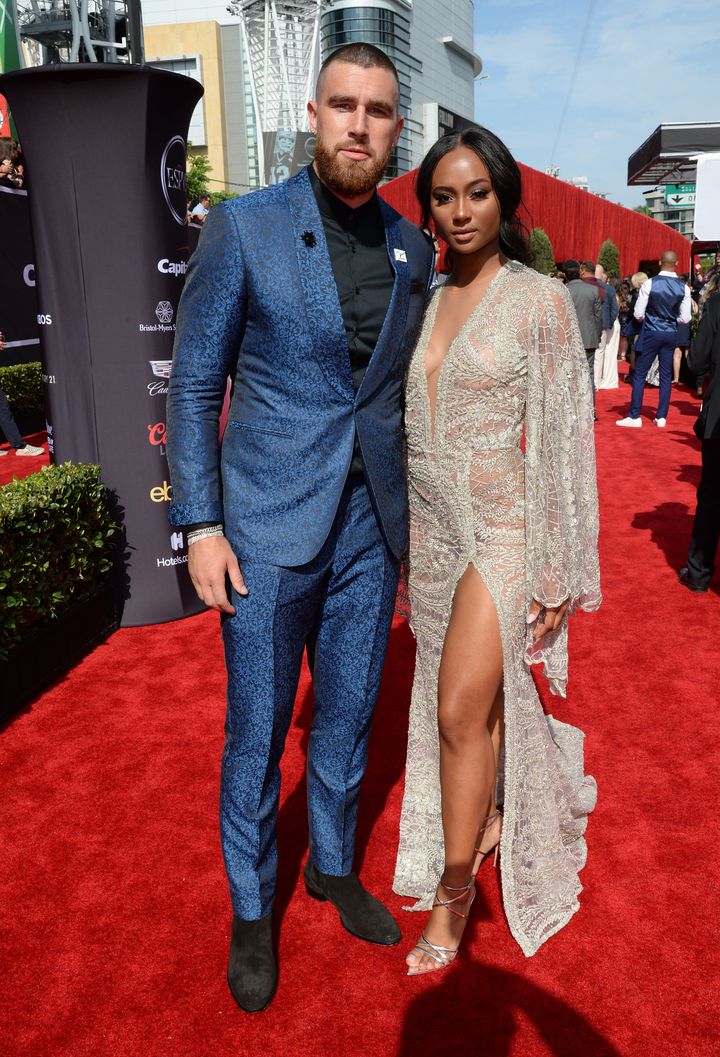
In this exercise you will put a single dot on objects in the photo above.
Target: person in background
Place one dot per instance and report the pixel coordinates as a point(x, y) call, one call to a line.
point(663, 302)
point(8, 174)
point(588, 308)
point(9, 426)
point(702, 359)
point(682, 338)
point(625, 318)
point(201, 210)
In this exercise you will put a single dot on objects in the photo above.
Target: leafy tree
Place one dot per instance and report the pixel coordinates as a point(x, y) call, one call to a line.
point(197, 175)
point(645, 210)
point(543, 258)
point(609, 259)
point(222, 196)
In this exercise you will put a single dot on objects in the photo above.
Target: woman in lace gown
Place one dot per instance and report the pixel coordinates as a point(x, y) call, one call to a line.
point(502, 545)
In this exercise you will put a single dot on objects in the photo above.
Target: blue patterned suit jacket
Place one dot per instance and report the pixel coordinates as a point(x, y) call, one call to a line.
point(260, 305)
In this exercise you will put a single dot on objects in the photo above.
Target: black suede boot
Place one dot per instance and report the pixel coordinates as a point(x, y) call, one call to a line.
point(252, 969)
point(360, 913)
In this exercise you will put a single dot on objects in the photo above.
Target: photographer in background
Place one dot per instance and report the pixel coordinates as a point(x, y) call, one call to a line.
point(703, 359)
point(9, 427)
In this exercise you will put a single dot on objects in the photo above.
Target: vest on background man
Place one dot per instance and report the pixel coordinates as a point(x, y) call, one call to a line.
point(663, 302)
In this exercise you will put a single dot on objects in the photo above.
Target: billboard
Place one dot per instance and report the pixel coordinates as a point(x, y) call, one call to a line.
point(286, 153)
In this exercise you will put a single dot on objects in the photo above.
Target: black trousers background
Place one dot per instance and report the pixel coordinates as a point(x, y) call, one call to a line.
point(8, 424)
point(706, 528)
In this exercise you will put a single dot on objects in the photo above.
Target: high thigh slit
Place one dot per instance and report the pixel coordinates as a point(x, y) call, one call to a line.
point(527, 522)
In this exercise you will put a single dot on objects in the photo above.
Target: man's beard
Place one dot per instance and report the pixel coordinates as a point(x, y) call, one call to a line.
point(345, 176)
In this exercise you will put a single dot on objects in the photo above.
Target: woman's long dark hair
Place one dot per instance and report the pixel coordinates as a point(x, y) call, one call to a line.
point(506, 183)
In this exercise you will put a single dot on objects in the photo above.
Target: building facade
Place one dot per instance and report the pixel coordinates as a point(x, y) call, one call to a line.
point(430, 41)
point(682, 219)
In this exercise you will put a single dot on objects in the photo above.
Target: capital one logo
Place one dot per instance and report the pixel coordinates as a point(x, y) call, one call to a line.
point(164, 312)
point(173, 178)
point(176, 268)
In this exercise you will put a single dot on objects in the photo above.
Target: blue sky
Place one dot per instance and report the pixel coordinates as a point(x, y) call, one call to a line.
point(641, 65)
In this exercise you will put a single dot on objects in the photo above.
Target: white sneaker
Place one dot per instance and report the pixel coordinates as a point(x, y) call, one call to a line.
point(29, 449)
point(659, 422)
point(634, 423)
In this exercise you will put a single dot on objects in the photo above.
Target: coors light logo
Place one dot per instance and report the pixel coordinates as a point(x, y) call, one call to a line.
point(173, 178)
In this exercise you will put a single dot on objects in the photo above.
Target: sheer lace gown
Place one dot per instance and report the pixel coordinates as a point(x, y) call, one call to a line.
point(528, 523)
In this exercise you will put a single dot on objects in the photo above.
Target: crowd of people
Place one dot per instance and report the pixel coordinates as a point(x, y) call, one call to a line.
point(612, 326)
point(12, 164)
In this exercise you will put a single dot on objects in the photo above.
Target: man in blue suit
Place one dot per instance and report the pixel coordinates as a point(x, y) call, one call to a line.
point(309, 295)
point(663, 302)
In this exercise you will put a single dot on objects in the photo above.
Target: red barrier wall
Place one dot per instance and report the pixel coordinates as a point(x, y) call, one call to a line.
point(576, 222)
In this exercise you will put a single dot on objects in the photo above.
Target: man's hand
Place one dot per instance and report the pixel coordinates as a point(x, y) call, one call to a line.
point(210, 560)
point(547, 619)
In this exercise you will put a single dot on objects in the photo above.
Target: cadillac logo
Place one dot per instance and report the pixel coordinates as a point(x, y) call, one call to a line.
point(160, 368)
point(173, 178)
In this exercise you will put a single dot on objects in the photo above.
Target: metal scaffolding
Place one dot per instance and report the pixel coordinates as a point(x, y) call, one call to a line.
point(281, 40)
point(83, 30)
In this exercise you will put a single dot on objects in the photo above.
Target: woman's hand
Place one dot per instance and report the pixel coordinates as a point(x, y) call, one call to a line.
point(548, 618)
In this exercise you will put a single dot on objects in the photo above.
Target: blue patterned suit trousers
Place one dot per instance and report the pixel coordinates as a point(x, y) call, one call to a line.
point(340, 605)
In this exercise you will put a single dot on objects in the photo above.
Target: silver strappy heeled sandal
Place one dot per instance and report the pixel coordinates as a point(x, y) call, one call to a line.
point(495, 848)
point(443, 956)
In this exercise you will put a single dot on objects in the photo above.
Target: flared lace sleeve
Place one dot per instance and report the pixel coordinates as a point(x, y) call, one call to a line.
point(561, 505)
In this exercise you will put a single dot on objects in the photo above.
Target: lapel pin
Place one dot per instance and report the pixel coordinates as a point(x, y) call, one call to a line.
point(308, 238)
point(400, 255)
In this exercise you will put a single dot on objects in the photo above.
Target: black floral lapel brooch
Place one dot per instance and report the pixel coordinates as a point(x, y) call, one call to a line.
point(308, 238)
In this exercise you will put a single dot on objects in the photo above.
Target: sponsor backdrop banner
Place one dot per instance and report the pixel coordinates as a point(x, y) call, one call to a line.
point(105, 147)
point(19, 319)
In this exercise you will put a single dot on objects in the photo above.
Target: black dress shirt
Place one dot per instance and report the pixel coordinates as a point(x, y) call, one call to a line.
point(363, 274)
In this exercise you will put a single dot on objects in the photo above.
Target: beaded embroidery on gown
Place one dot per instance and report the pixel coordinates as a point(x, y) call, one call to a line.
point(529, 525)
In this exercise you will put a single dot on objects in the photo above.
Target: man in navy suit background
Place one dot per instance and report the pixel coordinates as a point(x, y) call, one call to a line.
point(309, 296)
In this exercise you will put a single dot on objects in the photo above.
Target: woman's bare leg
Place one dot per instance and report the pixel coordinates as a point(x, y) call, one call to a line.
point(677, 356)
point(469, 703)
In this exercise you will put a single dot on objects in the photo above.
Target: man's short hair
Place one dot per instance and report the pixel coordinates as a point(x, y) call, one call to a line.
point(571, 269)
point(359, 54)
point(587, 266)
point(669, 257)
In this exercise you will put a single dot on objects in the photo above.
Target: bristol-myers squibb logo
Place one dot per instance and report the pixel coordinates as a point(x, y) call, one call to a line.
point(173, 178)
point(164, 312)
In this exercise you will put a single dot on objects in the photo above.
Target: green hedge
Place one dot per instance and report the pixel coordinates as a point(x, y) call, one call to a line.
point(56, 545)
point(23, 386)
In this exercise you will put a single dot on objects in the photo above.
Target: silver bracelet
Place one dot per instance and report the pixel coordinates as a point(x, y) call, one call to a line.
point(204, 533)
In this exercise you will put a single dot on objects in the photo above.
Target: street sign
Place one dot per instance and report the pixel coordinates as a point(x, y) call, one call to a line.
point(680, 196)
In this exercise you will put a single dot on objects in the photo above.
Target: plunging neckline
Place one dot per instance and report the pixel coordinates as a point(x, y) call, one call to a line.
point(432, 412)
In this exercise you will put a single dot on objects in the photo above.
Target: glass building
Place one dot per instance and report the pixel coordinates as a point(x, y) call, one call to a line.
point(430, 42)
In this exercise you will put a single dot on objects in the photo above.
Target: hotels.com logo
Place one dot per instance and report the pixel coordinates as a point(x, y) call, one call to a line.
point(177, 542)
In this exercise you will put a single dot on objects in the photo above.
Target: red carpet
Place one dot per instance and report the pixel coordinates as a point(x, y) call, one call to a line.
point(12, 465)
point(114, 914)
